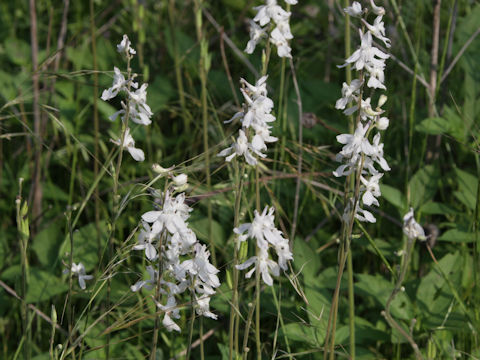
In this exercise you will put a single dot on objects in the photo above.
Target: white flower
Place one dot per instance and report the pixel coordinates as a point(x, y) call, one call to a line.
point(378, 30)
point(79, 270)
point(172, 216)
point(280, 41)
point(145, 242)
point(169, 324)
point(129, 144)
point(263, 230)
point(200, 266)
point(411, 228)
point(124, 47)
point(264, 265)
point(366, 54)
point(377, 10)
point(119, 84)
point(147, 284)
point(280, 34)
point(356, 143)
point(240, 147)
point(372, 189)
point(354, 10)
point(256, 34)
point(349, 93)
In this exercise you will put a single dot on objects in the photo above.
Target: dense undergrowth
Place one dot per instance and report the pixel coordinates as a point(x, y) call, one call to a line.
point(65, 185)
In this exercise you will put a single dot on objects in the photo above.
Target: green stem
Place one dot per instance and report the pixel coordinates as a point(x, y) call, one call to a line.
point(157, 298)
point(233, 340)
point(203, 71)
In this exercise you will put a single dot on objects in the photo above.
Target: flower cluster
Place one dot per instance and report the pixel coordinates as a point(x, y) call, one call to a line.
point(267, 236)
point(358, 153)
point(79, 270)
point(280, 35)
point(256, 116)
point(182, 262)
point(135, 106)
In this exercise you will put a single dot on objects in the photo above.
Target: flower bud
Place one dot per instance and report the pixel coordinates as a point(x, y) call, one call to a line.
point(161, 170)
point(180, 180)
point(382, 100)
point(382, 123)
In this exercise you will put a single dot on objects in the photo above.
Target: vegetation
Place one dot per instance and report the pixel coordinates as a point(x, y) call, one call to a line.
point(69, 194)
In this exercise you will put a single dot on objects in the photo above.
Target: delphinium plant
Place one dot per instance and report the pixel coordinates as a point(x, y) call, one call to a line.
point(177, 261)
point(256, 119)
point(361, 158)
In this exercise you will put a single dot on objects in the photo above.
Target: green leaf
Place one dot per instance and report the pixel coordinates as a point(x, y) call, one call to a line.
point(467, 188)
point(394, 197)
point(433, 294)
point(458, 236)
point(423, 185)
point(433, 208)
point(85, 245)
point(306, 260)
point(433, 126)
point(43, 285)
point(200, 227)
point(46, 243)
point(299, 332)
point(380, 289)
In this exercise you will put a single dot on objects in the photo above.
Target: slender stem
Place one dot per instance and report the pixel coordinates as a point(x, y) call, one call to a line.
point(202, 350)
point(115, 199)
point(190, 332)
point(70, 281)
point(232, 343)
point(203, 71)
point(348, 186)
point(36, 183)
point(391, 321)
point(177, 64)
point(23, 233)
point(157, 298)
point(279, 312)
point(300, 152)
point(257, 276)
point(95, 119)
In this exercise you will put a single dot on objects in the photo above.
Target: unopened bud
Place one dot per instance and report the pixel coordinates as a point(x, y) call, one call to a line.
point(382, 123)
point(161, 170)
point(180, 180)
point(383, 99)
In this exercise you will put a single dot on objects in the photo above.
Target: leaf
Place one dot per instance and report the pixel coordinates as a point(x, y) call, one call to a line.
point(380, 289)
point(467, 188)
point(46, 243)
point(299, 332)
point(423, 185)
point(43, 285)
point(85, 245)
point(394, 197)
point(457, 236)
point(200, 227)
point(432, 208)
point(306, 260)
point(433, 126)
point(433, 294)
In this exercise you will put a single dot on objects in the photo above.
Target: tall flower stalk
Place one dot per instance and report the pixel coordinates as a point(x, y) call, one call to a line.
point(271, 22)
point(177, 262)
point(136, 109)
point(361, 157)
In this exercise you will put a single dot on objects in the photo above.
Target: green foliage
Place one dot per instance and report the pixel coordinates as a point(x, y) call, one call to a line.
point(435, 163)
